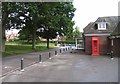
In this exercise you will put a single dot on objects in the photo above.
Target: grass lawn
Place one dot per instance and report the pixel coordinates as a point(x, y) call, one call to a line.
point(21, 49)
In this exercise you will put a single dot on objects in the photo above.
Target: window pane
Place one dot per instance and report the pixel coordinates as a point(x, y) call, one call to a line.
point(102, 26)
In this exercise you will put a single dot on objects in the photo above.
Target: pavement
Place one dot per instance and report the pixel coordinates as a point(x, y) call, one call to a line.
point(68, 67)
point(12, 63)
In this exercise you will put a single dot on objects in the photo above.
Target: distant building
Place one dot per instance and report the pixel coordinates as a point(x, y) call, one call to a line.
point(11, 34)
point(58, 38)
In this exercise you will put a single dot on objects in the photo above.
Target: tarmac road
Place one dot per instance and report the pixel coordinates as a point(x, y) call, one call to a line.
point(69, 67)
point(14, 62)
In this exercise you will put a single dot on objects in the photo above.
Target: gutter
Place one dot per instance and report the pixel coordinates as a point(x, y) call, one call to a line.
point(96, 34)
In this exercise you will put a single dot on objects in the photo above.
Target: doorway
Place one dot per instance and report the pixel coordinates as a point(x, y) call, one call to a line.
point(95, 46)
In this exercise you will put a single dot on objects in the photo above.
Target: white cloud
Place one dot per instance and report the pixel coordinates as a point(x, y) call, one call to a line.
point(89, 10)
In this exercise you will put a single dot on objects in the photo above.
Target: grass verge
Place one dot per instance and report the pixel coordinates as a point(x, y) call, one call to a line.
point(22, 49)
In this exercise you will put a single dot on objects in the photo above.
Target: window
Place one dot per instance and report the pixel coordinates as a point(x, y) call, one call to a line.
point(101, 26)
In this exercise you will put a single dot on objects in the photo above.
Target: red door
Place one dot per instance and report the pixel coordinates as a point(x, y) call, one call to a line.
point(95, 46)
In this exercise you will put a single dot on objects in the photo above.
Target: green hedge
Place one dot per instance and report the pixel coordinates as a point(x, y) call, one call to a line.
point(38, 41)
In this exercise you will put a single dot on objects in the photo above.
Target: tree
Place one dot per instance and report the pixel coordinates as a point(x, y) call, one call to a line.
point(5, 14)
point(25, 34)
point(65, 21)
point(17, 15)
point(77, 33)
point(53, 18)
point(9, 12)
point(58, 19)
point(0, 28)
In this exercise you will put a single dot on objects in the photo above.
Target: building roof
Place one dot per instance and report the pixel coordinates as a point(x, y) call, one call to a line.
point(111, 21)
point(116, 32)
point(87, 28)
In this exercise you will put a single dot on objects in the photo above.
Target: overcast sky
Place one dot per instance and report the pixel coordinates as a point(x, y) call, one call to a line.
point(89, 10)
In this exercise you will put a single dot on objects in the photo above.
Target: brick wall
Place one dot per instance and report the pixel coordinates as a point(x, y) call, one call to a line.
point(88, 45)
point(104, 43)
point(116, 47)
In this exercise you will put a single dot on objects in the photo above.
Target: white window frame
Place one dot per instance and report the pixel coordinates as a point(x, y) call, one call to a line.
point(101, 26)
point(112, 42)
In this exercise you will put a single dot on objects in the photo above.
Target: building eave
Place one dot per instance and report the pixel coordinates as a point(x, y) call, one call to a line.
point(96, 34)
point(113, 37)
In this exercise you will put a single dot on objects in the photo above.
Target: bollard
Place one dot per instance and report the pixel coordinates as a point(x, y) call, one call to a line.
point(40, 58)
point(55, 53)
point(49, 55)
point(22, 64)
point(60, 50)
point(66, 49)
point(112, 55)
point(63, 49)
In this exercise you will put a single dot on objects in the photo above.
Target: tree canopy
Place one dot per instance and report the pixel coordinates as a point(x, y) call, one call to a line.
point(39, 19)
point(77, 33)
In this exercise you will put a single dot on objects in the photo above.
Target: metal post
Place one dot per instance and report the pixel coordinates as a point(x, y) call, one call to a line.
point(112, 55)
point(60, 50)
point(66, 49)
point(40, 58)
point(22, 64)
point(49, 55)
point(55, 53)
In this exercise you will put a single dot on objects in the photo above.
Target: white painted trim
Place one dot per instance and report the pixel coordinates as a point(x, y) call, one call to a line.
point(79, 48)
point(117, 36)
point(97, 34)
point(113, 37)
point(112, 42)
point(102, 22)
point(101, 26)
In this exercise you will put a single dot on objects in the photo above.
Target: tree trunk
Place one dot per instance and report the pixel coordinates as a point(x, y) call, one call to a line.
point(34, 39)
point(0, 30)
point(47, 42)
point(3, 23)
point(3, 40)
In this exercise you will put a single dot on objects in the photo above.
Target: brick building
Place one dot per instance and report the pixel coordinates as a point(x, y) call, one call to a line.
point(11, 34)
point(96, 35)
point(115, 41)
